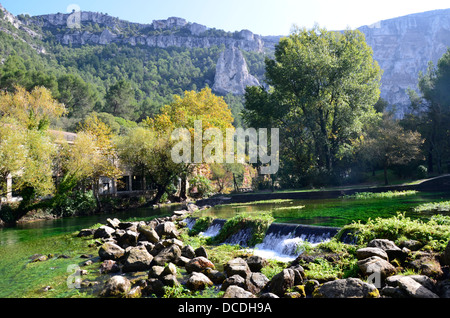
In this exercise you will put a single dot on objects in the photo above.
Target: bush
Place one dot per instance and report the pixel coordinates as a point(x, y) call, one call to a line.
point(200, 187)
point(422, 172)
point(434, 232)
point(79, 203)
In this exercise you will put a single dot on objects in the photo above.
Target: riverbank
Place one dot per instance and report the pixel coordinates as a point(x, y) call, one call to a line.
point(392, 258)
point(437, 184)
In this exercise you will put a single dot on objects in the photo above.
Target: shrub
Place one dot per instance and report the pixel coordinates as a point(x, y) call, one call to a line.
point(422, 172)
point(257, 223)
point(434, 232)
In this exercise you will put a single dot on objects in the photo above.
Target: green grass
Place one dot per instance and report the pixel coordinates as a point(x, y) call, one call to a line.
point(433, 207)
point(258, 223)
point(381, 195)
point(275, 201)
point(434, 233)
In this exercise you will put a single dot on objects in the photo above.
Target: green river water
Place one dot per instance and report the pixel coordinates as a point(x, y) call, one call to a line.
point(20, 277)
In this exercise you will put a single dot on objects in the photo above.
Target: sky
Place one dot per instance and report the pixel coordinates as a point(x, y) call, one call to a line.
point(264, 17)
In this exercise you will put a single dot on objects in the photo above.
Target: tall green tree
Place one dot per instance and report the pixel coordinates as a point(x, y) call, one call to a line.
point(323, 86)
point(430, 112)
point(121, 101)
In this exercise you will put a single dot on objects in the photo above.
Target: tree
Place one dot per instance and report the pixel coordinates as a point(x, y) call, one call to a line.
point(389, 144)
point(430, 112)
point(323, 86)
point(78, 96)
point(121, 101)
point(147, 152)
point(94, 154)
point(26, 149)
point(202, 106)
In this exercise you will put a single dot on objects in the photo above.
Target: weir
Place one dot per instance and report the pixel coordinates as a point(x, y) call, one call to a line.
point(282, 241)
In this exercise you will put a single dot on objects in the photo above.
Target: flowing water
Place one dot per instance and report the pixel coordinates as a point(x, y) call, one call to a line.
point(311, 221)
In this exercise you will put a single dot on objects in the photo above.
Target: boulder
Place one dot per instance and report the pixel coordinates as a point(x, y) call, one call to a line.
point(109, 266)
point(155, 271)
point(426, 264)
point(167, 255)
point(111, 251)
point(167, 229)
point(149, 233)
point(282, 282)
point(116, 286)
point(170, 280)
point(86, 232)
point(199, 264)
point(170, 269)
point(346, 288)
point(257, 282)
point(256, 263)
point(237, 266)
point(392, 250)
point(128, 238)
point(137, 259)
point(235, 280)
point(154, 287)
point(198, 281)
point(104, 232)
point(113, 223)
point(376, 264)
point(201, 251)
point(135, 292)
point(414, 289)
point(237, 292)
point(215, 276)
point(367, 252)
point(188, 251)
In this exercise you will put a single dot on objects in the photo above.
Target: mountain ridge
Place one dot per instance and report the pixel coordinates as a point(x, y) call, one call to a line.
point(403, 46)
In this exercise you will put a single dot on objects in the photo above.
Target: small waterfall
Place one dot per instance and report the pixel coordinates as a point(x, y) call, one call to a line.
point(214, 229)
point(284, 241)
point(190, 223)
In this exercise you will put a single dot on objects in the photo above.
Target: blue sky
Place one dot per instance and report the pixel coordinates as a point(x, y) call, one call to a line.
point(265, 17)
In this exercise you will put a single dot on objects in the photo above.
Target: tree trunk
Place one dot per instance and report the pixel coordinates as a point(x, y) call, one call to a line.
point(386, 182)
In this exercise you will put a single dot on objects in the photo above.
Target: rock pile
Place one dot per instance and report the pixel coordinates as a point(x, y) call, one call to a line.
point(155, 249)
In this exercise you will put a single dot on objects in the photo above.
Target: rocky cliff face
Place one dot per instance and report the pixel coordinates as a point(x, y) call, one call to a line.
point(232, 74)
point(161, 33)
point(403, 47)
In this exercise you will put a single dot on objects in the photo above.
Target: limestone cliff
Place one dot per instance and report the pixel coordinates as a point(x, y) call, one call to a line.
point(232, 75)
point(161, 33)
point(403, 47)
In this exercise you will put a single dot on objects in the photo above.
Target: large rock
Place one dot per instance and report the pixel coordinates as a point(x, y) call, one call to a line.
point(198, 281)
point(367, 252)
point(167, 229)
point(281, 282)
point(169, 254)
point(237, 266)
point(199, 264)
point(137, 259)
point(256, 263)
point(237, 292)
point(346, 288)
point(111, 251)
point(376, 265)
point(116, 286)
point(104, 232)
point(149, 233)
point(413, 288)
